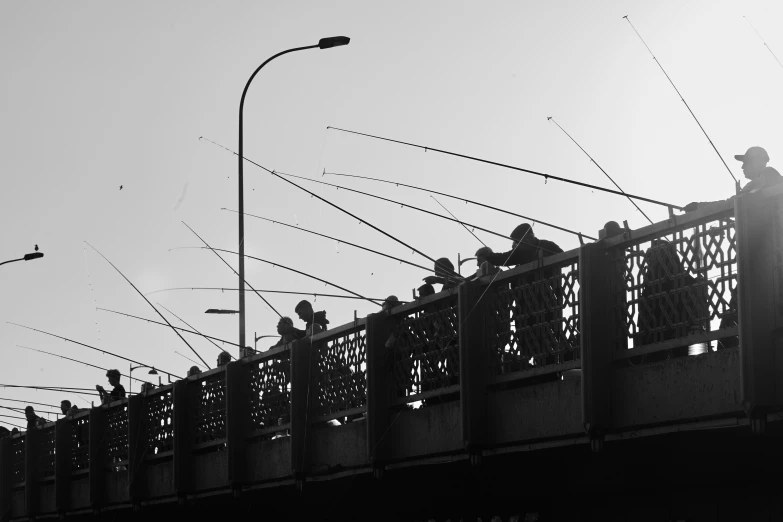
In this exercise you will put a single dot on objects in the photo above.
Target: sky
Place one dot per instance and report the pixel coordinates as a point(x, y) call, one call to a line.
point(98, 95)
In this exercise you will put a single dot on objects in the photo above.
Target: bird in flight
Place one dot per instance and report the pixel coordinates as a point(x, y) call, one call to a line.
point(120, 187)
point(36, 248)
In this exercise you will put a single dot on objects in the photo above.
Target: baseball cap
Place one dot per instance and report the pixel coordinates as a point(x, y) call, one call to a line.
point(753, 152)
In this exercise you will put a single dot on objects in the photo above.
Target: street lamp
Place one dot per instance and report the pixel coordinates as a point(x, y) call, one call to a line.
point(27, 257)
point(151, 372)
point(324, 43)
point(218, 311)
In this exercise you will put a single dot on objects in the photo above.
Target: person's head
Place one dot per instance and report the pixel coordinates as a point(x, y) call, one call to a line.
point(4, 432)
point(29, 412)
point(15, 431)
point(114, 377)
point(753, 161)
point(390, 302)
point(522, 232)
point(285, 325)
point(304, 310)
point(223, 359)
point(481, 255)
point(74, 409)
point(443, 267)
point(611, 229)
point(425, 290)
point(194, 370)
point(65, 406)
point(147, 386)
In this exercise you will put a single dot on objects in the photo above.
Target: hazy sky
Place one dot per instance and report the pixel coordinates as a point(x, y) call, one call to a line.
point(101, 94)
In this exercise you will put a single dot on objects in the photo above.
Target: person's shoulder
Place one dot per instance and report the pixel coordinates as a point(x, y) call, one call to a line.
point(549, 247)
point(771, 176)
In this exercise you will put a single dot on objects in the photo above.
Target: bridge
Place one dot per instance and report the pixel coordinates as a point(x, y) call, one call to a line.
point(637, 376)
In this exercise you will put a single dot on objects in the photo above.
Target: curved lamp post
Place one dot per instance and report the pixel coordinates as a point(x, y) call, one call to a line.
point(324, 43)
point(27, 257)
point(151, 372)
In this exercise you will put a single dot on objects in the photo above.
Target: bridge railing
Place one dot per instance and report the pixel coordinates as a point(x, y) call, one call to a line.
point(116, 436)
point(159, 410)
point(269, 387)
point(18, 458)
point(424, 348)
point(80, 442)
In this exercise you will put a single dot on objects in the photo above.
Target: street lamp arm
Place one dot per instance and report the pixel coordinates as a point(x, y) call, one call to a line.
point(12, 260)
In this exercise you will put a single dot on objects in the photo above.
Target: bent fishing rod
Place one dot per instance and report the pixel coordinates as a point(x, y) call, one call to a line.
point(31, 402)
point(460, 222)
point(683, 100)
point(762, 41)
point(106, 352)
point(75, 360)
point(550, 118)
point(314, 294)
point(458, 198)
point(194, 329)
point(164, 324)
point(86, 391)
point(520, 169)
point(403, 243)
point(304, 274)
point(235, 272)
point(147, 301)
point(333, 238)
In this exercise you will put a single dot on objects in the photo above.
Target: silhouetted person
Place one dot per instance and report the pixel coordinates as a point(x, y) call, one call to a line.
point(223, 359)
point(315, 322)
point(444, 275)
point(194, 370)
point(33, 420)
point(390, 302)
point(4, 432)
point(147, 387)
point(117, 392)
point(525, 247)
point(73, 411)
point(483, 266)
point(425, 290)
point(754, 166)
point(285, 327)
point(15, 431)
point(65, 406)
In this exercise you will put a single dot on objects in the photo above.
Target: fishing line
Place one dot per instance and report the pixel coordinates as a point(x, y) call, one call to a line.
point(335, 239)
point(106, 352)
point(75, 360)
point(31, 402)
point(164, 324)
point(194, 328)
point(528, 171)
point(91, 294)
point(444, 268)
point(188, 358)
point(465, 200)
point(373, 301)
point(314, 294)
point(145, 299)
point(460, 222)
point(232, 269)
point(762, 41)
point(683, 100)
point(550, 118)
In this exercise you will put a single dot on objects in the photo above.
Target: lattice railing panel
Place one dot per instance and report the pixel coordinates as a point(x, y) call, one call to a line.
point(80, 443)
point(532, 320)
point(674, 285)
point(209, 408)
point(341, 374)
point(270, 392)
point(116, 434)
point(425, 349)
point(17, 456)
point(46, 441)
point(160, 422)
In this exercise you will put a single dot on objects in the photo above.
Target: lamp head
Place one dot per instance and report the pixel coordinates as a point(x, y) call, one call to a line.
point(34, 255)
point(152, 372)
point(334, 41)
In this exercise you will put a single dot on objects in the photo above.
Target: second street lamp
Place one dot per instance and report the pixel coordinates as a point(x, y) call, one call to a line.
point(27, 257)
point(324, 43)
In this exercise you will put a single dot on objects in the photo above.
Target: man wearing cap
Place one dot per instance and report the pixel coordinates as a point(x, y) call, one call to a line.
point(525, 248)
point(118, 391)
point(754, 166)
point(444, 275)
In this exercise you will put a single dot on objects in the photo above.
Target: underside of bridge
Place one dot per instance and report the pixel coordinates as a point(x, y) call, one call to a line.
point(703, 474)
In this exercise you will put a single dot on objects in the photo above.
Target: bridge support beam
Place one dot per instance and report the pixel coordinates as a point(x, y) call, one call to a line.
point(31, 447)
point(302, 390)
point(6, 478)
point(473, 369)
point(596, 341)
point(97, 456)
point(237, 425)
point(759, 225)
point(183, 440)
point(63, 432)
point(379, 384)
point(137, 446)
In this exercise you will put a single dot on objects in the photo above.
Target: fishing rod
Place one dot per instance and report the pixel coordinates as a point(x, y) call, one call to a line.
point(304, 274)
point(145, 299)
point(462, 199)
point(31, 402)
point(403, 243)
point(762, 41)
point(683, 100)
point(520, 169)
point(20, 410)
point(235, 272)
point(314, 294)
point(106, 352)
point(335, 239)
point(188, 358)
point(460, 222)
point(201, 334)
point(164, 324)
point(550, 118)
point(74, 360)
point(89, 391)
